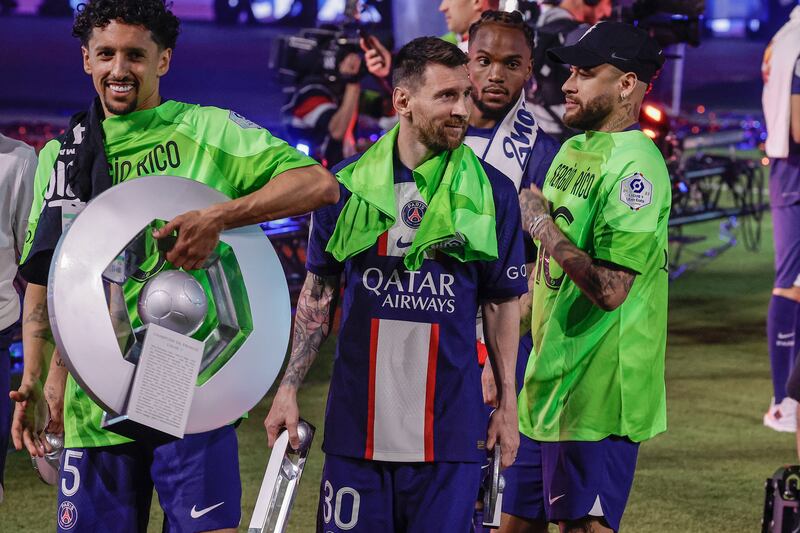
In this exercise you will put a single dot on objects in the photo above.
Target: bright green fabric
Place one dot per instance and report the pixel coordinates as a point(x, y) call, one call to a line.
point(594, 373)
point(452, 183)
point(44, 169)
point(451, 37)
point(210, 145)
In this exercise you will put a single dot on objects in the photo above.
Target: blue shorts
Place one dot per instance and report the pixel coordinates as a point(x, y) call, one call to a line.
point(109, 488)
point(786, 232)
point(588, 478)
point(524, 492)
point(360, 496)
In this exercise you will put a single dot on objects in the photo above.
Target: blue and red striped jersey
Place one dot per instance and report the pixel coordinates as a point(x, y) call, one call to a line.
point(406, 381)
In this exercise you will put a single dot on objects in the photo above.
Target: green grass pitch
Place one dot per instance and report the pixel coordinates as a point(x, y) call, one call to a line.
point(705, 474)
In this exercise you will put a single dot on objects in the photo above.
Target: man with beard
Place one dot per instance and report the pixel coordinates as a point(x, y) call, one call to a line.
point(106, 481)
point(594, 385)
point(560, 24)
point(425, 234)
point(505, 135)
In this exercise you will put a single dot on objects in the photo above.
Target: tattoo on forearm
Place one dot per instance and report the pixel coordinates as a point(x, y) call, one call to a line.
point(37, 315)
point(600, 284)
point(38, 323)
point(312, 323)
point(530, 206)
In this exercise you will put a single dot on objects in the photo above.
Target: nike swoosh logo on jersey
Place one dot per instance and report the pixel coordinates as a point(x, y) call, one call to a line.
point(401, 244)
point(783, 336)
point(197, 514)
point(554, 500)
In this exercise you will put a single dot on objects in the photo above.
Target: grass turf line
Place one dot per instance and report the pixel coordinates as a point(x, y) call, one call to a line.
point(705, 474)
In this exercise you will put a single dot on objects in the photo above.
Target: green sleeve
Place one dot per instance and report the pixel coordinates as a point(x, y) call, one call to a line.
point(627, 221)
point(247, 154)
point(47, 160)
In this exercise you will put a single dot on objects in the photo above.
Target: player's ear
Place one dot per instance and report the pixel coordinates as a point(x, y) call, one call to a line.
point(627, 84)
point(87, 68)
point(164, 58)
point(401, 100)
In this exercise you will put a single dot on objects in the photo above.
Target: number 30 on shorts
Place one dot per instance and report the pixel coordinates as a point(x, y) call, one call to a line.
point(332, 508)
point(68, 469)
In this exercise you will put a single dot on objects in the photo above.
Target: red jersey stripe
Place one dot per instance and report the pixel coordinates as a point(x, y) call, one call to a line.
point(430, 391)
point(373, 359)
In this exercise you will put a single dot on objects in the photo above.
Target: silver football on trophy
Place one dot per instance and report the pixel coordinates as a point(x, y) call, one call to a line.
point(174, 300)
point(239, 300)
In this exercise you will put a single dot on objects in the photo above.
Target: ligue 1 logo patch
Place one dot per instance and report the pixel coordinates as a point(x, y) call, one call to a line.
point(67, 515)
point(412, 213)
point(243, 123)
point(635, 191)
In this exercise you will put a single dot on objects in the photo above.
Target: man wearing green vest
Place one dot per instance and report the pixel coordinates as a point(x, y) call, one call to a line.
point(594, 384)
point(106, 481)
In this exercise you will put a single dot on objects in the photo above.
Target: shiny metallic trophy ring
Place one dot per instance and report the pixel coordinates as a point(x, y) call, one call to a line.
point(107, 245)
point(493, 486)
point(279, 487)
point(47, 467)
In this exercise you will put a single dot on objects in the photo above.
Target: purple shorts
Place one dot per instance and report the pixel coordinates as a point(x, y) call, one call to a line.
point(786, 231)
point(524, 492)
point(588, 479)
point(360, 496)
point(109, 488)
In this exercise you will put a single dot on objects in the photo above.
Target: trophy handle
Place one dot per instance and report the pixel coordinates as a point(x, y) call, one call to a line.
point(278, 489)
point(493, 485)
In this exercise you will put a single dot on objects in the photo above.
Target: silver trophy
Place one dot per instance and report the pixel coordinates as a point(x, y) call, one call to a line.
point(493, 485)
point(162, 351)
point(47, 467)
point(279, 486)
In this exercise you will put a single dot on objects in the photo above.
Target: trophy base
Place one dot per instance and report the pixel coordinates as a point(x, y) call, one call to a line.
point(125, 426)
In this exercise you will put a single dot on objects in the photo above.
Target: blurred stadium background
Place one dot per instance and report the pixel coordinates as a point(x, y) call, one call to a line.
point(707, 472)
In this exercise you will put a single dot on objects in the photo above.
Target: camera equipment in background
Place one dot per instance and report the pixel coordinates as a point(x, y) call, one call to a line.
point(314, 52)
point(318, 51)
point(782, 492)
point(670, 21)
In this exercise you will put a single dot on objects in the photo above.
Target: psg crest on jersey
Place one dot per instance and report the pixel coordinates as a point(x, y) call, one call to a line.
point(412, 213)
point(67, 515)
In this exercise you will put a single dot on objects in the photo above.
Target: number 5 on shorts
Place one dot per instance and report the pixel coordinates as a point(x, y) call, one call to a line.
point(70, 469)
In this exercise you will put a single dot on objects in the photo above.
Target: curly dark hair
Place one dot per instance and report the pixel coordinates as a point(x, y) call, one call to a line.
point(513, 21)
point(414, 57)
point(155, 15)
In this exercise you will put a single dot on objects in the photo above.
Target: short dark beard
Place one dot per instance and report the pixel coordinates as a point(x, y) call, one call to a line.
point(490, 113)
point(130, 108)
point(592, 115)
point(434, 138)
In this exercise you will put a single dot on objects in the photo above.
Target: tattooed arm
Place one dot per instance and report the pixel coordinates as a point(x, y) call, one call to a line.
point(38, 346)
point(312, 324)
point(607, 285)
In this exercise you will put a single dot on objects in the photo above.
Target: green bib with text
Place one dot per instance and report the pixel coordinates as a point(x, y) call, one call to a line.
point(594, 373)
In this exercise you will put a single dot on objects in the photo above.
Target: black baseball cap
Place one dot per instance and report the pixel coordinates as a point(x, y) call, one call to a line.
point(627, 47)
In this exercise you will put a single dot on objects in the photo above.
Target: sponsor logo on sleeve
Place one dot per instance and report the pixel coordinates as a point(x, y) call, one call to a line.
point(635, 191)
point(67, 515)
point(243, 122)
